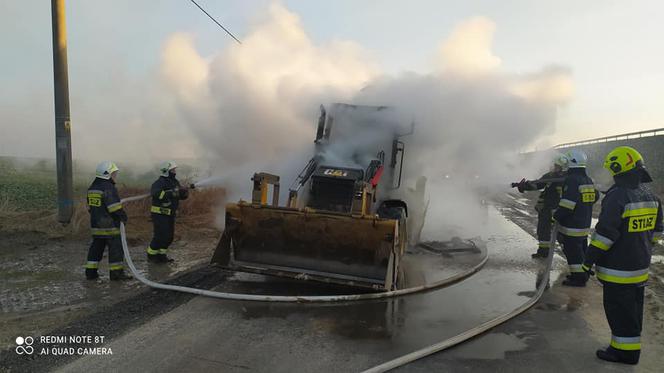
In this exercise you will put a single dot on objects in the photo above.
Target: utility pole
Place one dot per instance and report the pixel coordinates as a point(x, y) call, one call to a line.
point(62, 118)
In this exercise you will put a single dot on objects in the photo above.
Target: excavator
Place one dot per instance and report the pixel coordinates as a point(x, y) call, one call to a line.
point(345, 220)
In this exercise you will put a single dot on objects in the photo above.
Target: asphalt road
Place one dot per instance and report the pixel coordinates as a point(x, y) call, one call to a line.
point(212, 335)
point(560, 334)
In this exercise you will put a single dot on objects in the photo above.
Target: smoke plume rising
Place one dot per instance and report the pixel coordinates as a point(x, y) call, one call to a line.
point(254, 107)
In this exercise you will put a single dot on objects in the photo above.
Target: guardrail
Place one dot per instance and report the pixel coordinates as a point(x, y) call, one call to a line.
point(624, 136)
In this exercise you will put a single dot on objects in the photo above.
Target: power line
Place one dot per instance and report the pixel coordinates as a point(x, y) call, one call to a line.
point(215, 21)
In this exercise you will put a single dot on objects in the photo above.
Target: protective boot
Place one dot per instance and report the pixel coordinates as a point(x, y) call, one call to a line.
point(91, 274)
point(576, 279)
point(155, 258)
point(119, 275)
point(163, 258)
point(541, 254)
point(614, 356)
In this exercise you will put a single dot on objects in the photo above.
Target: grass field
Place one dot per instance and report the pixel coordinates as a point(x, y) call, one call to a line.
point(30, 185)
point(28, 194)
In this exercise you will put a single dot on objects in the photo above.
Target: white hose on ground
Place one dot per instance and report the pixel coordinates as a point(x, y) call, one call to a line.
point(443, 345)
point(282, 298)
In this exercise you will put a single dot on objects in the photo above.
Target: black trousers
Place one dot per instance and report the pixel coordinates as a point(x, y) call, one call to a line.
point(163, 232)
point(544, 227)
point(623, 305)
point(96, 253)
point(575, 251)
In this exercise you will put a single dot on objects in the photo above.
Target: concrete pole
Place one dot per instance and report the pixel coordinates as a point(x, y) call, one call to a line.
point(62, 119)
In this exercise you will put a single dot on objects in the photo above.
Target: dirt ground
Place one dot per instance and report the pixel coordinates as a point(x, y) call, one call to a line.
point(42, 282)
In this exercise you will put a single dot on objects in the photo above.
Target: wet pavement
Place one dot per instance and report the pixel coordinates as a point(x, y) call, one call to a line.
point(42, 282)
point(209, 335)
point(167, 331)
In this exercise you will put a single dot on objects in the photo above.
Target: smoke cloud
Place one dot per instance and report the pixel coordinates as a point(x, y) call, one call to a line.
point(471, 120)
point(254, 107)
point(255, 103)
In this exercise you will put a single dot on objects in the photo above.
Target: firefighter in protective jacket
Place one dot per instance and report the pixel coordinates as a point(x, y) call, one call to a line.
point(166, 195)
point(552, 188)
point(106, 213)
point(620, 249)
point(574, 215)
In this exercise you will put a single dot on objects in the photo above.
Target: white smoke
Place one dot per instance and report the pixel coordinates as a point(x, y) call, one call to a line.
point(471, 120)
point(254, 107)
point(259, 101)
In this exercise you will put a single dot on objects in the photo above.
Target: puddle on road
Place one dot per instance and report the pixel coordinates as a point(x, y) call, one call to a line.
point(394, 326)
point(404, 324)
point(492, 346)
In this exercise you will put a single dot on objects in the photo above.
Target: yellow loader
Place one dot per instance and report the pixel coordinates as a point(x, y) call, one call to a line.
point(342, 223)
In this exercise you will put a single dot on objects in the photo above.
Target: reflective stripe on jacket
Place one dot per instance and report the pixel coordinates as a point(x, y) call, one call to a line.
point(574, 213)
point(105, 208)
point(621, 246)
point(166, 195)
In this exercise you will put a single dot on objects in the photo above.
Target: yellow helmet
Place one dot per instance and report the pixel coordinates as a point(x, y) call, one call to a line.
point(623, 159)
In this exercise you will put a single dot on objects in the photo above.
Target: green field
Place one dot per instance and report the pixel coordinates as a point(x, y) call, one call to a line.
point(30, 184)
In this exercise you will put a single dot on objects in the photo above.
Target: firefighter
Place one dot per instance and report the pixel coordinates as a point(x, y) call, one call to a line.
point(106, 213)
point(166, 195)
point(629, 223)
point(547, 202)
point(574, 215)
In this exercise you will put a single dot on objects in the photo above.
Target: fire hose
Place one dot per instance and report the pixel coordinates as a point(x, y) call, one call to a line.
point(281, 298)
point(389, 365)
point(301, 299)
point(482, 328)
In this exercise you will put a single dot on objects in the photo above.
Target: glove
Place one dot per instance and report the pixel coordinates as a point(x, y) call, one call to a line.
point(521, 186)
point(587, 269)
point(120, 215)
point(173, 193)
point(184, 193)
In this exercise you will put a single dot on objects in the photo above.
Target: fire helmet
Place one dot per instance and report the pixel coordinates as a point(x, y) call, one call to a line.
point(105, 169)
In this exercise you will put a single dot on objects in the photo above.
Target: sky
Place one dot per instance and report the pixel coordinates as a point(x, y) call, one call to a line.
point(612, 51)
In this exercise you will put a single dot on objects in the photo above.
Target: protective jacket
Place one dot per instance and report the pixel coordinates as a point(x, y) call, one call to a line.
point(105, 208)
point(630, 220)
point(574, 213)
point(550, 195)
point(166, 195)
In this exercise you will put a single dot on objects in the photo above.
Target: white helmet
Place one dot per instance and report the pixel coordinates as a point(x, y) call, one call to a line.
point(105, 169)
point(560, 160)
point(166, 167)
point(576, 158)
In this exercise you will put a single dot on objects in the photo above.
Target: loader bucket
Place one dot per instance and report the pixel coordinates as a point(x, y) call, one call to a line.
point(307, 244)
